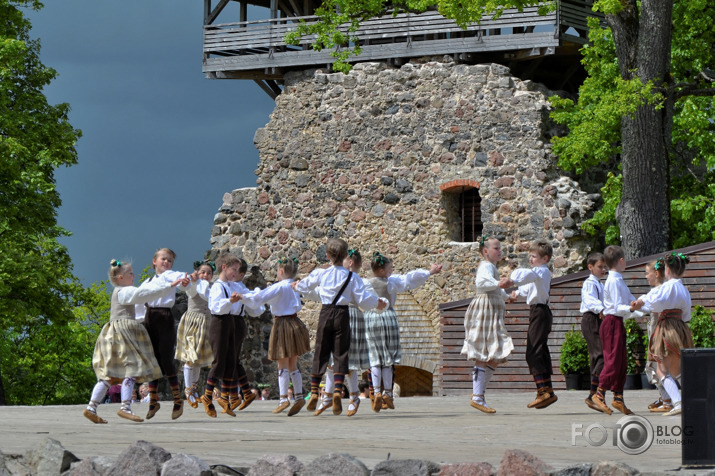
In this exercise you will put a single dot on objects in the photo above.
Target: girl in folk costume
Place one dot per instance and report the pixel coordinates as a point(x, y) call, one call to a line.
point(160, 325)
point(123, 351)
point(289, 337)
point(672, 301)
point(486, 340)
point(382, 329)
point(192, 341)
point(655, 274)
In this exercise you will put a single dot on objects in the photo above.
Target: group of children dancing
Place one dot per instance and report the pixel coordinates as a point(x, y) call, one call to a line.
point(358, 329)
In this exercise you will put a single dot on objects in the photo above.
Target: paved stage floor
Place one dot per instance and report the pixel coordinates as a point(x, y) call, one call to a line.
point(441, 429)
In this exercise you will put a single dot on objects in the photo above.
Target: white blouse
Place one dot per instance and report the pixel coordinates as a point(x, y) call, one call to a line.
point(169, 299)
point(592, 295)
point(398, 283)
point(672, 294)
point(487, 279)
point(617, 298)
point(327, 284)
point(220, 304)
point(280, 296)
point(534, 283)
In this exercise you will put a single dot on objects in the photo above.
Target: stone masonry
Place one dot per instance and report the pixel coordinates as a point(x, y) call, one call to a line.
point(379, 156)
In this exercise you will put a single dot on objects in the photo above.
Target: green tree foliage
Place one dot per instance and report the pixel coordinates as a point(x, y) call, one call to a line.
point(41, 342)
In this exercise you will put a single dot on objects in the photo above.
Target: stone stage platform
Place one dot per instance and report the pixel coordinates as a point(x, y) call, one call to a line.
point(440, 429)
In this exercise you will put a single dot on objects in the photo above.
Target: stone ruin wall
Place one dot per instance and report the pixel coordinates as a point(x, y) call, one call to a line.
point(362, 157)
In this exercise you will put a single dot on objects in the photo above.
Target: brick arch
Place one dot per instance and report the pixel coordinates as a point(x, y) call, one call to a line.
point(458, 185)
point(417, 374)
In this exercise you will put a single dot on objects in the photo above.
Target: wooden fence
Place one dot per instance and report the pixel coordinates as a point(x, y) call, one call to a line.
point(455, 370)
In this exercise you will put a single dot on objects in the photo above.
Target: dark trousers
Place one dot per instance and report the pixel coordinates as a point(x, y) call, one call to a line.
point(222, 339)
point(590, 328)
point(160, 326)
point(333, 337)
point(537, 336)
point(240, 332)
point(613, 338)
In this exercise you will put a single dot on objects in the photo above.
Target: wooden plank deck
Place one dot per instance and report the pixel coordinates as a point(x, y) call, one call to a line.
point(455, 370)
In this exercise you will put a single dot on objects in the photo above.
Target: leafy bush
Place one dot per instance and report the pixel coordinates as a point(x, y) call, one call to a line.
point(702, 326)
point(574, 354)
point(635, 348)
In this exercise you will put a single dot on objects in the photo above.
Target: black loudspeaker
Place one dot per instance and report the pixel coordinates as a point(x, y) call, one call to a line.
point(698, 417)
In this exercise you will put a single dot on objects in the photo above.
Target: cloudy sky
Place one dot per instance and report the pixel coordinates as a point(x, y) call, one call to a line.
point(161, 143)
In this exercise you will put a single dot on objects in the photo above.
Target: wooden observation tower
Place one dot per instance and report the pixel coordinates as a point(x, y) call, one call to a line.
point(539, 48)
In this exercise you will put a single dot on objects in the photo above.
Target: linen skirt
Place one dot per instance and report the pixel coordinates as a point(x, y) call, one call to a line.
point(358, 355)
point(383, 338)
point(485, 335)
point(671, 335)
point(123, 349)
point(192, 340)
point(289, 338)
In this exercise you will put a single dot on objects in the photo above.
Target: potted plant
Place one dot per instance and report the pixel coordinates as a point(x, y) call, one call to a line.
point(702, 326)
point(574, 359)
point(635, 352)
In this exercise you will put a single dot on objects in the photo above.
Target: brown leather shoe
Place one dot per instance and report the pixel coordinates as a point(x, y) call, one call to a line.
point(296, 406)
point(377, 403)
point(550, 398)
point(178, 409)
point(312, 403)
point(282, 406)
point(247, 399)
point(657, 404)
point(355, 404)
point(325, 403)
point(191, 397)
point(337, 403)
point(621, 407)
point(225, 406)
point(480, 407)
point(153, 408)
point(92, 416)
point(598, 401)
point(129, 416)
point(208, 406)
point(387, 402)
point(591, 405)
point(664, 407)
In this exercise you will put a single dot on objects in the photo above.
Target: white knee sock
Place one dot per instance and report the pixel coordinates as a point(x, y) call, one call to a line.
point(283, 380)
point(387, 379)
point(489, 374)
point(352, 381)
point(297, 380)
point(98, 393)
point(376, 373)
point(127, 389)
point(329, 382)
point(661, 390)
point(672, 388)
point(195, 374)
point(479, 377)
point(188, 373)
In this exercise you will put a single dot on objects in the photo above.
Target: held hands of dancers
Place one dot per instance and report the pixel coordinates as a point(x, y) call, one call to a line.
point(181, 281)
point(235, 297)
point(636, 305)
point(505, 283)
point(382, 303)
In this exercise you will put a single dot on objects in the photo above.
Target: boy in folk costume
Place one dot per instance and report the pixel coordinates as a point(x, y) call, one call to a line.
point(336, 289)
point(535, 284)
point(592, 313)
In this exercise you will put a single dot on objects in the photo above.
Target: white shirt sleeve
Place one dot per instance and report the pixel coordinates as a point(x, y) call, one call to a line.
point(485, 281)
point(219, 304)
point(589, 298)
point(398, 283)
point(148, 291)
point(310, 282)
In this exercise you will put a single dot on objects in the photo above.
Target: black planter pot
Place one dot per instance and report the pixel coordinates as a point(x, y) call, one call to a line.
point(633, 382)
point(585, 382)
point(573, 381)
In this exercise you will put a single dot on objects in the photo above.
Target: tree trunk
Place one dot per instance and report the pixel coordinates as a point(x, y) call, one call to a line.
point(644, 212)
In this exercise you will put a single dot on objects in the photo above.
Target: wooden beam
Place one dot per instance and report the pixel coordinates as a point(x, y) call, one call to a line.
point(267, 89)
point(215, 12)
point(243, 12)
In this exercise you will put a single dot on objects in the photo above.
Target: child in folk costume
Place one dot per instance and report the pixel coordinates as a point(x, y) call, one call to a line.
point(123, 351)
point(358, 356)
point(535, 285)
point(192, 342)
point(655, 275)
point(159, 323)
point(382, 329)
point(591, 315)
point(672, 301)
point(226, 315)
point(617, 301)
point(289, 337)
point(336, 288)
point(486, 340)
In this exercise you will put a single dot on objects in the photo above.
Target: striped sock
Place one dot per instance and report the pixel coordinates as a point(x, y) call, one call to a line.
point(243, 383)
point(209, 389)
point(174, 384)
point(542, 381)
point(618, 397)
point(315, 384)
point(153, 392)
point(594, 385)
point(229, 390)
point(339, 380)
point(601, 393)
